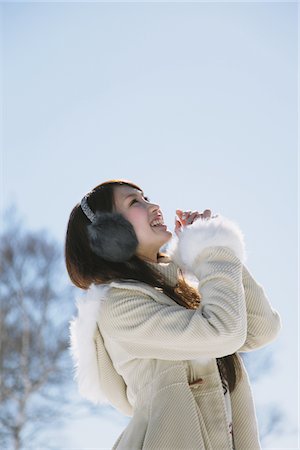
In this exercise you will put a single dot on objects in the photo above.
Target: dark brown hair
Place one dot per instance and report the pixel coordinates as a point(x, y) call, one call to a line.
point(85, 267)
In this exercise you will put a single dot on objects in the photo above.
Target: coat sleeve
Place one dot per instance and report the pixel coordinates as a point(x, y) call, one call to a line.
point(263, 321)
point(145, 328)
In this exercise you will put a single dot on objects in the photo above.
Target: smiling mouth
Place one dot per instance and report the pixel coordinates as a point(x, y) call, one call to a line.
point(157, 221)
point(163, 227)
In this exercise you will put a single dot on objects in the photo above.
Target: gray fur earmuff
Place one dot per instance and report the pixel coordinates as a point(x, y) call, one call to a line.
point(112, 237)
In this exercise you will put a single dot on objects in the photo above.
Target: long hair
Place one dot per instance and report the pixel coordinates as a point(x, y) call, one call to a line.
point(85, 267)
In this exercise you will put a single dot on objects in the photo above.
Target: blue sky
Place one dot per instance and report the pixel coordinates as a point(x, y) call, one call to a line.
point(195, 102)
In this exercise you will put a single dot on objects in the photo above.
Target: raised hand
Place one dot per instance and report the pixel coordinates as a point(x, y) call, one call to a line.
point(184, 218)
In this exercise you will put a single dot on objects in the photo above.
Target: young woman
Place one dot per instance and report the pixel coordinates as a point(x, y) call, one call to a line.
point(151, 343)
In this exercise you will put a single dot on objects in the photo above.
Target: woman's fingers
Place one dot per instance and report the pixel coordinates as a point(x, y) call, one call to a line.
point(188, 217)
point(207, 213)
point(178, 227)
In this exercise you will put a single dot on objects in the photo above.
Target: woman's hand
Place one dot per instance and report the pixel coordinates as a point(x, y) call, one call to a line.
point(185, 218)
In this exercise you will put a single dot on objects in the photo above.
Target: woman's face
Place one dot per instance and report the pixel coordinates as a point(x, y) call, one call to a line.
point(141, 213)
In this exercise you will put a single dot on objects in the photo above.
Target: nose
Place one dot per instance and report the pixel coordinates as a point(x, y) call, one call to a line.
point(154, 207)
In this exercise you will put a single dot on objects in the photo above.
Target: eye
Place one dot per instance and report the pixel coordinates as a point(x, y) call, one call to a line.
point(135, 200)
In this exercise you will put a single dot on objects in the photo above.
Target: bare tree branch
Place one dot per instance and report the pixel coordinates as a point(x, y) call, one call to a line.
point(34, 332)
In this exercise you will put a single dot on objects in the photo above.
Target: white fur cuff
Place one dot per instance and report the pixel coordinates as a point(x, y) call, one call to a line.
point(204, 233)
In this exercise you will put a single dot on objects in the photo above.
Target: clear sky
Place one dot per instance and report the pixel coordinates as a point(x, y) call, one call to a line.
point(196, 103)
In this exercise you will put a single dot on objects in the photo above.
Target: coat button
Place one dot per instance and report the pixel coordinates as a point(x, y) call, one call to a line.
point(196, 382)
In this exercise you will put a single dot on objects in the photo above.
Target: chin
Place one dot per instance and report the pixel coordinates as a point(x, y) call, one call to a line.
point(168, 236)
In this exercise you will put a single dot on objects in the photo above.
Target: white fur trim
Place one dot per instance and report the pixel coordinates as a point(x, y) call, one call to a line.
point(204, 233)
point(82, 344)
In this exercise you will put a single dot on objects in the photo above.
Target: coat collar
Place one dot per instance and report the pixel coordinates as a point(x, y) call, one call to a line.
point(167, 267)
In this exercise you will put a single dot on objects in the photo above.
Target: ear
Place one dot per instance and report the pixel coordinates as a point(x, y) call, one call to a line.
point(112, 237)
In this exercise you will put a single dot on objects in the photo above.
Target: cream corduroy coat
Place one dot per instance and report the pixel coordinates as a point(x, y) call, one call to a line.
point(132, 346)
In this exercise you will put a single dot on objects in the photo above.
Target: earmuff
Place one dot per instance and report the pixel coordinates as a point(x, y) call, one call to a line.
point(111, 236)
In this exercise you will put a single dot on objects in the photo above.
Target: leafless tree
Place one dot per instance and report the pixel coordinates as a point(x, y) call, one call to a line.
point(34, 366)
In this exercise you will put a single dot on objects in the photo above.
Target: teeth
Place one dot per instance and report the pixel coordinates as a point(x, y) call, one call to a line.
point(156, 222)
